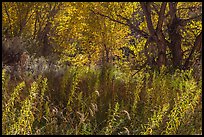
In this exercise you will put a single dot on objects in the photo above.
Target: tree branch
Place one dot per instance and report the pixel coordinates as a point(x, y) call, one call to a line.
point(128, 23)
point(134, 28)
point(109, 18)
point(161, 16)
point(140, 67)
point(146, 8)
point(172, 11)
point(155, 8)
point(183, 22)
point(197, 45)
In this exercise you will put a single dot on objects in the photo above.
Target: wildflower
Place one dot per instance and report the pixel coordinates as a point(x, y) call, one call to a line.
point(97, 92)
point(128, 115)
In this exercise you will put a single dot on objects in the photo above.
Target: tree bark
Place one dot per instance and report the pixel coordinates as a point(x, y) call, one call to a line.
point(156, 35)
point(197, 46)
point(175, 37)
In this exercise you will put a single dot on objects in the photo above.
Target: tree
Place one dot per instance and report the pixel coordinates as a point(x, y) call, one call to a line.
point(166, 28)
point(164, 33)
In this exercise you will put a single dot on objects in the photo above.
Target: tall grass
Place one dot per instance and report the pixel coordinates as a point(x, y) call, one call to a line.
point(107, 100)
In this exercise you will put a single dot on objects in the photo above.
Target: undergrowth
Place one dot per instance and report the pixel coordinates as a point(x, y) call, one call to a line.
point(89, 100)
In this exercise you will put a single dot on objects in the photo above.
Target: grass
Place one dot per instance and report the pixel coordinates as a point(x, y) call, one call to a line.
point(105, 100)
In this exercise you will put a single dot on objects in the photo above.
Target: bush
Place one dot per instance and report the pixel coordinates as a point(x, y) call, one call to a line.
point(84, 100)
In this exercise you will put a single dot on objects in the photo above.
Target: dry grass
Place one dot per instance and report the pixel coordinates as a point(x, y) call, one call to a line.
point(103, 101)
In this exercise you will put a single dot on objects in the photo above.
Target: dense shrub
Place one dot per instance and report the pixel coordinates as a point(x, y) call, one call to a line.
point(92, 100)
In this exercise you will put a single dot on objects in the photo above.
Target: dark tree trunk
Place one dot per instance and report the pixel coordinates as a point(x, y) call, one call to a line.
point(175, 47)
point(161, 53)
point(170, 20)
point(197, 46)
point(175, 37)
point(156, 35)
point(107, 53)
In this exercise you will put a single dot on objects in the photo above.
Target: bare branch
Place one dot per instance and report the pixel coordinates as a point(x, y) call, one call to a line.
point(127, 20)
point(172, 11)
point(140, 67)
point(147, 12)
point(187, 8)
point(197, 45)
point(183, 22)
point(155, 8)
point(134, 28)
point(161, 16)
point(110, 18)
point(128, 23)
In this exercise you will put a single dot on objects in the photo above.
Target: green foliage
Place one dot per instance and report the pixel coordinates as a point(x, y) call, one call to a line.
point(25, 120)
point(160, 104)
point(154, 123)
point(10, 110)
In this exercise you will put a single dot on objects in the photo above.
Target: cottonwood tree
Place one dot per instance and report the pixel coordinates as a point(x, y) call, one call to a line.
point(162, 33)
point(164, 25)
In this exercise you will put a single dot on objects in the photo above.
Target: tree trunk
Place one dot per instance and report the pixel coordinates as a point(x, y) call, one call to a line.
point(175, 38)
point(107, 53)
point(175, 47)
point(197, 46)
point(156, 35)
point(161, 53)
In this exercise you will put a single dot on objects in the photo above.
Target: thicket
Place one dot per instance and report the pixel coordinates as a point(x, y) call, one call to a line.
point(107, 100)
